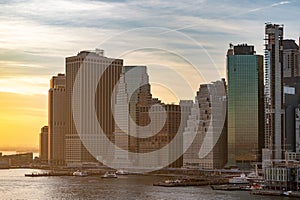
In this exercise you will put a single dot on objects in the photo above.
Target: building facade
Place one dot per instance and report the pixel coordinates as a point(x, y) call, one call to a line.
point(136, 79)
point(121, 131)
point(96, 65)
point(245, 106)
point(44, 144)
point(290, 59)
point(297, 129)
point(274, 110)
point(206, 128)
point(57, 120)
point(163, 137)
point(291, 102)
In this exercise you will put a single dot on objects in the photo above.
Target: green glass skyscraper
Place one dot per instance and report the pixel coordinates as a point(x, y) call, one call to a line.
point(245, 106)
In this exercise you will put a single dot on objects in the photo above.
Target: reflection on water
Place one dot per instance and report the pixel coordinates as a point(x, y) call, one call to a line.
point(14, 185)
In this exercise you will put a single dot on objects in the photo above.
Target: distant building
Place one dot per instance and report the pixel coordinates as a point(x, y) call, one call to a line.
point(136, 80)
point(164, 136)
point(290, 60)
point(207, 124)
point(96, 63)
point(121, 131)
point(185, 112)
point(44, 144)
point(20, 159)
point(57, 120)
point(245, 106)
point(297, 129)
point(291, 102)
point(144, 101)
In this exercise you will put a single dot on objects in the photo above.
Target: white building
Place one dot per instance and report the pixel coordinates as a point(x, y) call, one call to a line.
point(207, 124)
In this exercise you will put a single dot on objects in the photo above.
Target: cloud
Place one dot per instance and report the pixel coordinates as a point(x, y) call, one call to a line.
point(36, 36)
point(270, 6)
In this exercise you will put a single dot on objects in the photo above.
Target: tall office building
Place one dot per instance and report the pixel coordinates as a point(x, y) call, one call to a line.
point(297, 130)
point(274, 111)
point(161, 138)
point(121, 131)
point(291, 92)
point(141, 107)
point(96, 65)
point(290, 59)
point(57, 120)
point(291, 103)
point(185, 112)
point(144, 99)
point(245, 106)
point(207, 124)
point(44, 144)
point(136, 78)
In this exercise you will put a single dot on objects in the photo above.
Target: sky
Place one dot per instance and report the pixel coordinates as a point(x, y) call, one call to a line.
point(183, 44)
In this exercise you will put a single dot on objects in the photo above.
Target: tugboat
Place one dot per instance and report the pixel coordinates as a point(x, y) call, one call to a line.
point(109, 175)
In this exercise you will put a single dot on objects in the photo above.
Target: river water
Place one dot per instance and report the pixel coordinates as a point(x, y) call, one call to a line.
point(14, 185)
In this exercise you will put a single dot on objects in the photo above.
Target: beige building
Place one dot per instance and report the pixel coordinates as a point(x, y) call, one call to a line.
point(44, 144)
point(164, 135)
point(110, 70)
point(207, 124)
point(56, 119)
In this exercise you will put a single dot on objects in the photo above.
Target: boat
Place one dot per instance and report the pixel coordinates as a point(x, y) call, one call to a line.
point(173, 181)
point(254, 177)
point(122, 172)
point(287, 193)
point(80, 173)
point(36, 174)
point(109, 175)
point(242, 179)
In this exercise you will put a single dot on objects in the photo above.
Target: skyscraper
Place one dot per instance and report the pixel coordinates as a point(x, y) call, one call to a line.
point(290, 59)
point(291, 103)
point(136, 78)
point(121, 131)
point(164, 135)
point(57, 120)
point(291, 91)
point(297, 130)
point(96, 65)
point(274, 111)
point(44, 144)
point(245, 106)
point(207, 124)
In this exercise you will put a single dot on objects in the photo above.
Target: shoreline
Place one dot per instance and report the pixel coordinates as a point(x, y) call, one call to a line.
point(173, 180)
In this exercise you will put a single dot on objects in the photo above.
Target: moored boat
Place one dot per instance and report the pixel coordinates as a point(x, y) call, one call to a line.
point(242, 179)
point(109, 175)
point(80, 173)
point(122, 172)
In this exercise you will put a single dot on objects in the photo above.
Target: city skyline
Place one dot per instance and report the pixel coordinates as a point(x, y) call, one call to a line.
point(35, 43)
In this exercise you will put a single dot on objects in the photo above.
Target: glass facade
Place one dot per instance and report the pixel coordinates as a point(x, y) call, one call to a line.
point(245, 109)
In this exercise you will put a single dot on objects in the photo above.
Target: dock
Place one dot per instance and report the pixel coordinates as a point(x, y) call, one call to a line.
point(229, 187)
point(36, 174)
point(190, 182)
point(267, 192)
